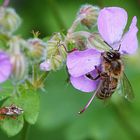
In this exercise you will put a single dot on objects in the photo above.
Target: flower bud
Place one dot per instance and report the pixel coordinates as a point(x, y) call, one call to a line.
point(56, 46)
point(96, 41)
point(19, 63)
point(36, 48)
point(55, 53)
point(54, 63)
point(57, 62)
point(9, 20)
point(77, 41)
point(90, 15)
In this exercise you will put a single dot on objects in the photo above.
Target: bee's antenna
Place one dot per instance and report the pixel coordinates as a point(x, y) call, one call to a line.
point(108, 45)
point(119, 47)
point(89, 102)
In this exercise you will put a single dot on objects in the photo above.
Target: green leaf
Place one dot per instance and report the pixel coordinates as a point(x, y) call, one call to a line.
point(5, 90)
point(9, 125)
point(30, 102)
point(12, 126)
point(4, 96)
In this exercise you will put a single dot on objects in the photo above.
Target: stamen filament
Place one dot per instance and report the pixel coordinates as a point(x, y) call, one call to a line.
point(89, 102)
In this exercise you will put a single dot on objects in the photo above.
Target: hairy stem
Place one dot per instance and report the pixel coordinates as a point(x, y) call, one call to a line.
point(43, 77)
point(75, 24)
point(34, 69)
point(25, 131)
point(82, 34)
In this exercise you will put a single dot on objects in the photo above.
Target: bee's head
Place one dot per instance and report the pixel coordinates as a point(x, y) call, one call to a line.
point(113, 54)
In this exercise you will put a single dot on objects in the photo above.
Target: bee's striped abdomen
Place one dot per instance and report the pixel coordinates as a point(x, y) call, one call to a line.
point(107, 87)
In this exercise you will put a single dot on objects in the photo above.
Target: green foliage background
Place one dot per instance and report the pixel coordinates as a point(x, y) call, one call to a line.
point(58, 119)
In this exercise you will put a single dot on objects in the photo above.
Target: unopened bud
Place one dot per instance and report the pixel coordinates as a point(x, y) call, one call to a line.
point(91, 14)
point(96, 41)
point(78, 40)
point(19, 64)
point(36, 48)
point(9, 20)
point(56, 52)
point(56, 46)
point(56, 62)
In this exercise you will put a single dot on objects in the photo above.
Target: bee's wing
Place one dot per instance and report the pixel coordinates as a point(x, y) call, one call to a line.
point(126, 88)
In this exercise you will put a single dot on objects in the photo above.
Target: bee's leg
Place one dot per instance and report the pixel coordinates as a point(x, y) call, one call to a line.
point(92, 78)
point(103, 75)
point(106, 59)
point(97, 70)
point(97, 77)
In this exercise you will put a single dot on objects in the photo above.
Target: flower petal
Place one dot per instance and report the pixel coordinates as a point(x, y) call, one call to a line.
point(46, 65)
point(83, 83)
point(82, 62)
point(5, 67)
point(111, 23)
point(129, 42)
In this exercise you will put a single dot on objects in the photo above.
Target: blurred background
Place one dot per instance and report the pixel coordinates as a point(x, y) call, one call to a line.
point(58, 119)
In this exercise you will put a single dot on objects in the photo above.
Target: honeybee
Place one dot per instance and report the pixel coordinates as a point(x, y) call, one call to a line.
point(10, 111)
point(112, 70)
point(111, 75)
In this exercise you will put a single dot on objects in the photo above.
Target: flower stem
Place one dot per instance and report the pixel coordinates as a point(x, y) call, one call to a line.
point(43, 77)
point(82, 34)
point(34, 69)
point(39, 82)
point(25, 131)
point(75, 24)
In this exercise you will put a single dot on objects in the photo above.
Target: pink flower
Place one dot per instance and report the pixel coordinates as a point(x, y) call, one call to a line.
point(79, 64)
point(111, 24)
point(5, 66)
